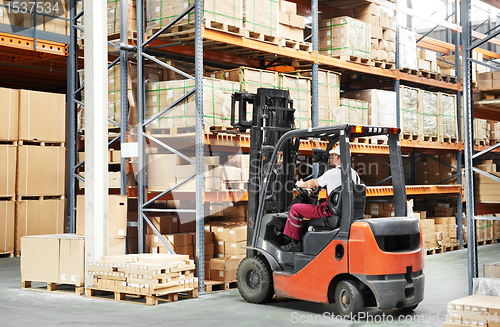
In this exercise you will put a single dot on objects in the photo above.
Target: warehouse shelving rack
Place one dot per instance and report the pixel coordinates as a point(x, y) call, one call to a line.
point(256, 55)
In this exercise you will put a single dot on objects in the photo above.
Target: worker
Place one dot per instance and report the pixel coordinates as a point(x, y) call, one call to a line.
point(331, 179)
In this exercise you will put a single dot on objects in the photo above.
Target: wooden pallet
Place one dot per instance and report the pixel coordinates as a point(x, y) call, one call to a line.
point(447, 248)
point(378, 141)
point(450, 140)
point(428, 138)
point(212, 286)
point(486, 242)
point(8, 198)
point(449, 78)
point(410, 137)
point(5, 142)
point(140, 298)
point(222, 129)
point(409, 71)
point(261, 37)
point(295, 45)
point(40, 197)
point(355, 59)
point(360, 140)
point(7, 255)
point(40, 143)
point(384, 64)
point(433, 251)
point(430, 75)
point(481, 142)
point(78, 289)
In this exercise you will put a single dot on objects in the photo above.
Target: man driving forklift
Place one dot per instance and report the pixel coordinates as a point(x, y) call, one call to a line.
point(332, 179)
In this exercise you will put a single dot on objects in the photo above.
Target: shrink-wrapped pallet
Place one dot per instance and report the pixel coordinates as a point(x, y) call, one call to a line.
point(407, 48)
point(481, 130)
point(261, 16)
point(409, 110)
point(114, 16)
point(216, 102)
point(354, 112)
point(381, 106)
point(161, 12)
point(448, 112)
point(299, 88)
point(347, 36)
point(429, 113)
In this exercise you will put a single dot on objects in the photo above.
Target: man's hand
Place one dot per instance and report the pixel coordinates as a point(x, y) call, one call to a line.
point(301, 183)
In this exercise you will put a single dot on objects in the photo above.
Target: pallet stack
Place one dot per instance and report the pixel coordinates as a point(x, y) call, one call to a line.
point(487, 188)
point(260, 19)
point(481, 132)
point(448, 117)
point(354, 112)
point(429, 116)
point(427, 61)
point(474, 310)
point(114, 17)
point(409, 112)
point(408, 50)
point(41, 165)
point(150, 275)
point(299, 88)
point(291, 25)
point(494, 131)
point(381, 106)
point(429, 171)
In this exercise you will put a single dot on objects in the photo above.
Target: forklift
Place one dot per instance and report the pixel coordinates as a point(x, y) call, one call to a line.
point(346, 259)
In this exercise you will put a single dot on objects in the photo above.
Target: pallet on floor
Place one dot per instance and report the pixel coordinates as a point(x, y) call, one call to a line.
point(486, 242)
point(213, 285)
point(359, 60)
point(450, 247)
point(433, 251)
point(141, 298)
point(78, 289)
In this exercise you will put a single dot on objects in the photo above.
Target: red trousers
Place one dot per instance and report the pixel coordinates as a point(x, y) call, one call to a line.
point(298, 212)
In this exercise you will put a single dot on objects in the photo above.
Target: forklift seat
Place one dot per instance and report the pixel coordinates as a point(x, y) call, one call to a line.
point(335, 205)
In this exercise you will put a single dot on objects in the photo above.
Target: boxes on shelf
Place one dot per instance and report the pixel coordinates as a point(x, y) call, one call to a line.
point(299, 88)
point(216, 101)
point(428, 233)
point(447, 104)
point(427, 60)
point(494, 130)
point(117, 215)
point(429, 114)
point(9, 110)
point(487, 188)
point(7, 226)
point(353, 112)
point(291, 25)
point(260, 16)
point(409, 110)
point(114, 16)
point(56, 258)
point(41, 170)
point(114, 180)
point(481, 131)
point(8, 161)
point(344, 36)
point(41, 115)
point(328, 96)
point(160, 12)
point(39, 217)
point(407, 48)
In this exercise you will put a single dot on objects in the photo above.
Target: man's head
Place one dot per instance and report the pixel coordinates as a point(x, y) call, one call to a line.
point(335, 153)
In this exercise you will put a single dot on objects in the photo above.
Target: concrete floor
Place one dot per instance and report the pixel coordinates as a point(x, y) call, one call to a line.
point(446, 279)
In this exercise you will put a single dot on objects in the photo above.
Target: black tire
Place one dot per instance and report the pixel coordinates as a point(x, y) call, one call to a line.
point(410, 308)
point(255, 280)
point(348, 299)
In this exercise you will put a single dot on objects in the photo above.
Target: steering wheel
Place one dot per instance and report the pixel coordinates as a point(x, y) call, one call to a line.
point(303, 191)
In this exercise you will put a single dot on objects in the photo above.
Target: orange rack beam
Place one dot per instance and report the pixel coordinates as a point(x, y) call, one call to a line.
point(28, 43)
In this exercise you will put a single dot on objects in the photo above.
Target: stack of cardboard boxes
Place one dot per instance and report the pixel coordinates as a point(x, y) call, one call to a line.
point(261, 17)
point(474, 310)
point(481, 131)
point(487, 188)
point(494, 131)
point(33, 157)
point(489, 80)
point(447, 65)
point(344, 36)
point(114, 17)
point(144, 273)
point(427, 60)
point(446, 230)
point(381, 106)
point(354, 112)
point(299, 88)
point(383, 31)
point(431, 172)
point(291, 25)
point(428, 230)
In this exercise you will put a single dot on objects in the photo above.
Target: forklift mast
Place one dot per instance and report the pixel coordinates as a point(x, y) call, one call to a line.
point(272, 116)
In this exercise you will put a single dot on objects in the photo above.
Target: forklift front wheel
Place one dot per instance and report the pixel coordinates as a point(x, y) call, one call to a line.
point(348, 298)
point(255, 280)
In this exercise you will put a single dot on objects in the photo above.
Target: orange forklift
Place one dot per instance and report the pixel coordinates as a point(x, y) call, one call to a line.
point(346, 259)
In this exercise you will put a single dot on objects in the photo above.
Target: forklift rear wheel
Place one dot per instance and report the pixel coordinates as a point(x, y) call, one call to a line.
point(348, 299)
point(255, 280)
point(411, 308)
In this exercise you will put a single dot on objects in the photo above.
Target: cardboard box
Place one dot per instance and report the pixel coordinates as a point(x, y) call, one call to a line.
point(117, 215)
point(7, 209)
point(288, 7)
point(53, 258)
point(491, 270)
point(424, 64)
point(237, 233)
point(443, 212)
point(223, 269)
point(164, 224)
point(234, 248)
point(368, 9)
point(116, 245)
point(41, 170)
point(39, 217)
point(10, 115)
point(42, 116)
point(8, 160)
point(180, 239)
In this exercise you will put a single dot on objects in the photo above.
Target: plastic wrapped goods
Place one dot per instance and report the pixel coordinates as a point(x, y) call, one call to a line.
point(260, 16)
point(159, 13)
point(354, 112)
point(381, 106)
point(299, 88)
point(448, 112)
point(429, 118)
point(409, 113)
point(113, 16)
point(216, 102)
point(407, 48)
point(344, 36)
